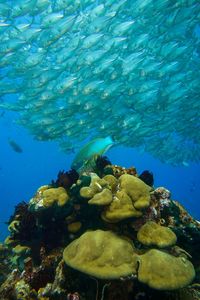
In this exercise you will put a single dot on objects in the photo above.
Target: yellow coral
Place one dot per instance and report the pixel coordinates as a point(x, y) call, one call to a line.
point(47, 196)
point(112, 181)
point(120, 208)
point(152, 233)
point(42, 189)
point(102, 198)
point(162, 271)
point(136, 189)
point(102, 254)
point(132, 196)
point(95, 186)
point(98, 192)
point(52, 195)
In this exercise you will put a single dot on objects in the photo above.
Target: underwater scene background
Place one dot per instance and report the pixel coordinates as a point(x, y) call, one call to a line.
point(39, 163)
point(100, 149)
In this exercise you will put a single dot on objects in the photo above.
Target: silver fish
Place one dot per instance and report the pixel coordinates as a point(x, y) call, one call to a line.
point(80, 69)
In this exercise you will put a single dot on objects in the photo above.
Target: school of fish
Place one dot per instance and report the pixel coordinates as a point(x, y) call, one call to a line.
point(128, 69)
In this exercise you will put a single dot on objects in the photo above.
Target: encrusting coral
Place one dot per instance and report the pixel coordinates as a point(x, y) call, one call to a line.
point(120, 208)
point(47, 197)
point(152, 233)
point(131, 197)
point(163, 271)
point(96, 186)
point(136, 189)
point(102, 254)
point(101, 234)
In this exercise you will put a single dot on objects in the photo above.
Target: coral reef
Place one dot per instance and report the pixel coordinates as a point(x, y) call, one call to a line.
point(103, 234)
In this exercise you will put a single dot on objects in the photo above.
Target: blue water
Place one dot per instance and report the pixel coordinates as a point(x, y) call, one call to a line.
point(21, 174)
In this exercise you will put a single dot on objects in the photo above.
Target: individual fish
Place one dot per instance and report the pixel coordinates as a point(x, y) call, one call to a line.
point(97, 11)
point(6, 59)
point(92, 87)
point(91, 40)
point(33, 60)
point(51, 19)
point(95, 147)
point(115, 42)
point(99, 23)
point(64, 84)
point(106, 63)
point(111, 89)
point(30, 34)
point(93, 56)
point(131, 62)
point(11, 45)
point(22, 7)
point(15, 146)
point(122, 28)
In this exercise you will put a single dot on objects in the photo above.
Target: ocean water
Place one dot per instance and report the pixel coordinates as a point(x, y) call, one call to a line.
point(71, 71)
point(21, 174)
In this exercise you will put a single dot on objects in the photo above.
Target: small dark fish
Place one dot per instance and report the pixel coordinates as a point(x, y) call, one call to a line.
point(2, 114)
point(15, 146)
